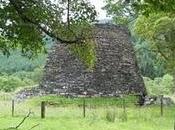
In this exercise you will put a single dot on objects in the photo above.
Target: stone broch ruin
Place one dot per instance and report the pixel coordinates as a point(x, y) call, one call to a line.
point(116, 71)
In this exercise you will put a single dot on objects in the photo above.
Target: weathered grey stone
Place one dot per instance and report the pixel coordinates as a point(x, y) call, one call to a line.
point(115, 72)
point(166, 101)
point(28, 93)
point(157, 100)
point(150, 100)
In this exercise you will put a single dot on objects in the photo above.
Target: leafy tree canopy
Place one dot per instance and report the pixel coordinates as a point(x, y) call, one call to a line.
point(157, 26)
point(146, 7)
point(125, 12)
point(151, 65)
point(24, 23)
point(121, 11)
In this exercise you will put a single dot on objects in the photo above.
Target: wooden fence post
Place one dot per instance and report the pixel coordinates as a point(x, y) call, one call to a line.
point(13, 108)
point(124, 105)
point(43, 109)
point(124, 118)
point(84, 107)
point(161, 105)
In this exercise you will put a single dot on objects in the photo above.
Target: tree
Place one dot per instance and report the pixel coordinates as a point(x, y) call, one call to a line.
point(122, 11)
point(151, 65)
point(24, 23)
point(159, 30)
point(156, 24)
point(147, 7)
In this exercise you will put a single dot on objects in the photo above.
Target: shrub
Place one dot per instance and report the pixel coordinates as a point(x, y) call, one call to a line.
point(16, 63)
point(158, 86)
point(35, 75)
point(11, 83)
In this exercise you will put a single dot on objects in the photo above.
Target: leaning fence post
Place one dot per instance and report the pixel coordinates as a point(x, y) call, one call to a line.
point(13, 108)
point(84, 107)
point(161, 105)
point(43, 109)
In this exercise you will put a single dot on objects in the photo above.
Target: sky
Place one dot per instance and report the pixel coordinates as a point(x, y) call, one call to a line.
point(98, 5)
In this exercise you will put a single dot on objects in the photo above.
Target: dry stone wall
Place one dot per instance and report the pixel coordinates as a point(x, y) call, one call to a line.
point(115, 72)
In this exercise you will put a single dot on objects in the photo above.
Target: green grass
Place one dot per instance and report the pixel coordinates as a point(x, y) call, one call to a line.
point(95, 101)
point(68, 115)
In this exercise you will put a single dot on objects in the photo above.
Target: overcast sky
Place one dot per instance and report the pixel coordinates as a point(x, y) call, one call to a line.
point(98, 5)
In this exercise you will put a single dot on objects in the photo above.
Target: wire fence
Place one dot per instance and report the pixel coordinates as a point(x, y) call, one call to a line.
point(84, 104)
point(122, 108)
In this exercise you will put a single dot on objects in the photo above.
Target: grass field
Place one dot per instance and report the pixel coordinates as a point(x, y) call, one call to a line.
point(67, 114)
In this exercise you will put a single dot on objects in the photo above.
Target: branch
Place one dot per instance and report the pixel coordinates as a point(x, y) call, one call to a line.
point(154, 50)
point(151, 50)
point(28, 115)
point(38, 25)
point(23, 120)
point(163, 55)
point(33, 126)
point(68, 14)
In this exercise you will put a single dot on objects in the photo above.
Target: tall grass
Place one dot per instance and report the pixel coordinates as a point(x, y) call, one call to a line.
point(71, 118)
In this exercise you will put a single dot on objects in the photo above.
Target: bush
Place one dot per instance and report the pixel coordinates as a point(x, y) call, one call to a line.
point(16, 63)
point(10, 83)
point(35, 75)
point(163, 85)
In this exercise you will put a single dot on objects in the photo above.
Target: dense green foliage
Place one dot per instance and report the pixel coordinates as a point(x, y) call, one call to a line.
point(17, 71)
point(122, 11)
point(158, 86)
point(21, 79)
point(16, 63)
point(150, 64)
point(24, 23)
point(147, 7)
point(86, 53)
point(156, 24)
point(11, 83)
point(34, 75)
point(158, 29)
point(152, 26)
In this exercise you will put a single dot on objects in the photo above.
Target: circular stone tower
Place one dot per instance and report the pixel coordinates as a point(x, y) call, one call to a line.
point(115, 72)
